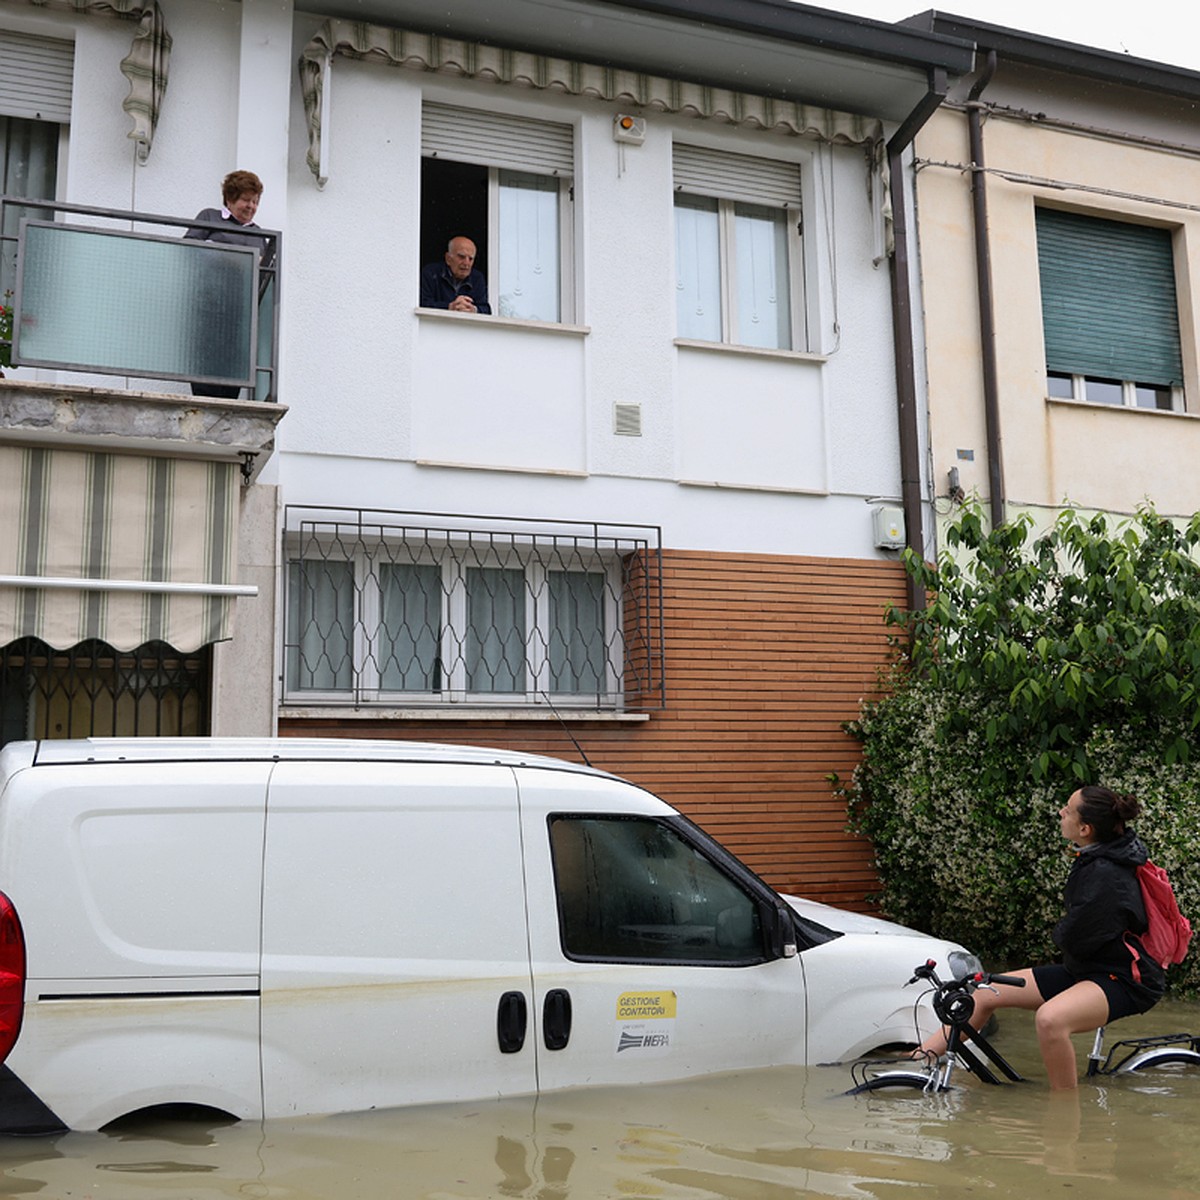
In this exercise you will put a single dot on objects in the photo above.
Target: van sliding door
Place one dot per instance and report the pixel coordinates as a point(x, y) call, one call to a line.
point(395, 957)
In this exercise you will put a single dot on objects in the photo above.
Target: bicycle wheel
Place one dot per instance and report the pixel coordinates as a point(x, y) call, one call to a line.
point(918, 1080)
point(1166, 1056)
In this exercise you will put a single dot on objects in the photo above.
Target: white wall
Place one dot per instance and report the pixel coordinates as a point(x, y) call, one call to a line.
point(373, 387)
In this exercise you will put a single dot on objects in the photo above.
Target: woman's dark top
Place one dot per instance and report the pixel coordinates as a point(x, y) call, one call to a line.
point(1105, 913)
point(235, 232)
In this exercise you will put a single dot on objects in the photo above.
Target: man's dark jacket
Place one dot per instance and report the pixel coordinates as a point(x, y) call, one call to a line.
point(439, 287)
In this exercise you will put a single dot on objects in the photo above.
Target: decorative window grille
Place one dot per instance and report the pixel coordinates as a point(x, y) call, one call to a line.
point(418, 609)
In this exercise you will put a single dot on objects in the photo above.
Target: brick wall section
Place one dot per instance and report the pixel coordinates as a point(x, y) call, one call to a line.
point(765, 658)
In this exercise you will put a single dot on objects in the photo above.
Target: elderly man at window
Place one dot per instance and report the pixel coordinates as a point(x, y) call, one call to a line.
point(454, 284)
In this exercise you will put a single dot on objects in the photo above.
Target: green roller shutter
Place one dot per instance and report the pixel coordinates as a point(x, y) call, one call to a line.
point(1108, 299)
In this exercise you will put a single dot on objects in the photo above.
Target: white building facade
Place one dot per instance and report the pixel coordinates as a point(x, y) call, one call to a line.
point(654, 500)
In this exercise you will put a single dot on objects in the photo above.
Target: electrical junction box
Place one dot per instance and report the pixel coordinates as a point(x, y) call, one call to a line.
point(889, 527)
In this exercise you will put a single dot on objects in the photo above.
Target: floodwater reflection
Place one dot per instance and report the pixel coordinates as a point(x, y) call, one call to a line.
point(767, 1135)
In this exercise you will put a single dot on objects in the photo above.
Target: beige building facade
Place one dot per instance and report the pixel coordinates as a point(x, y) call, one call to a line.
point(1058, 201)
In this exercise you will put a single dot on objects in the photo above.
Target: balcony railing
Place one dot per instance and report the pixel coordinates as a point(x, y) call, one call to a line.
point(122, 293)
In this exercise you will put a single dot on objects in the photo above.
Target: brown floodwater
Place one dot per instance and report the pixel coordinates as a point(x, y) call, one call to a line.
point(767, 1135)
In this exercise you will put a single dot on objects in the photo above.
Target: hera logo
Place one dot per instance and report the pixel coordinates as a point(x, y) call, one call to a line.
point(643, 1041)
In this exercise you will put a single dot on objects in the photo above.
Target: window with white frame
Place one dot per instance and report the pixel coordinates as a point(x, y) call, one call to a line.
point(738, 250)
point(1109, 311)
point(391, 613)
point(505, 182)
point(35, 104)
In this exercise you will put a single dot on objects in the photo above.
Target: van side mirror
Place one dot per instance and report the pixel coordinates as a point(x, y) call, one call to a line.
point(781, 930)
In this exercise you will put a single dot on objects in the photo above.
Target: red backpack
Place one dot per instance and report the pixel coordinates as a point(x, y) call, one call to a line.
point(1169, 931)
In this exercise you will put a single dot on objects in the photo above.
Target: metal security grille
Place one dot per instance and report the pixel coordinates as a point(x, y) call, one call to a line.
point(93, 690)
point(415, 609)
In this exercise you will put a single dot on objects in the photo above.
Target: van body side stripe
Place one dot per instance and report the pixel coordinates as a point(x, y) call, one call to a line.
point(194, 995)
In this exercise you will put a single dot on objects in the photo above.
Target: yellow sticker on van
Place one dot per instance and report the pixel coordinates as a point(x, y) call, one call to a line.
point(645, 1006)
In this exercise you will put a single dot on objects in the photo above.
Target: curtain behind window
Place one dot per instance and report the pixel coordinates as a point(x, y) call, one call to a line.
point(28, 167)
point(321, 624)
point(411, 627)
point(495, 629)
point(577, 635)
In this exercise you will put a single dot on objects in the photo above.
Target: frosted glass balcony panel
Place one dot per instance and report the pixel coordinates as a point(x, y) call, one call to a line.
point(131, 304)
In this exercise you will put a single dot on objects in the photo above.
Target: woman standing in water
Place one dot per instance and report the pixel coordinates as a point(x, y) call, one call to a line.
point(1104, 974)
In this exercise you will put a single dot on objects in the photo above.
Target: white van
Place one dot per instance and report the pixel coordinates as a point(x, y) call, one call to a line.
point(273, 928)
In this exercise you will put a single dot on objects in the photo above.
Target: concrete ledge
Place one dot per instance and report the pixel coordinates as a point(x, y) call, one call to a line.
point(454, 712)
point(92, 418)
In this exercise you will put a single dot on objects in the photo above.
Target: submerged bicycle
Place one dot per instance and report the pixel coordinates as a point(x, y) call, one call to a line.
point(1143, 1054)
point(954, 1004)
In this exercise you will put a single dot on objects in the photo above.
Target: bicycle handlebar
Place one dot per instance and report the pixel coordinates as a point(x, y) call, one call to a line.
point(927, 970)
point(1011, 980)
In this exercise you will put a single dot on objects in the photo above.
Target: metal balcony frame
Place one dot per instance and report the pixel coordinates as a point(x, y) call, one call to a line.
point(267, 273)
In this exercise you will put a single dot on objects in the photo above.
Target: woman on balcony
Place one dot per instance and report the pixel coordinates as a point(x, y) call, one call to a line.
point(240, 193)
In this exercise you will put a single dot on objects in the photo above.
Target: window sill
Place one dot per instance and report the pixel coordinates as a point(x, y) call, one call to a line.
point(1093, 405)
point(553, 327)
point(753, 351)
point(455, 712)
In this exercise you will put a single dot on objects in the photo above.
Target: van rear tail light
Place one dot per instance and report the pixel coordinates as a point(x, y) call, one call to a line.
point(12, 976)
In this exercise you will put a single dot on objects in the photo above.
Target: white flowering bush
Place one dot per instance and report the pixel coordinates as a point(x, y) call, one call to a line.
point(1038, 665)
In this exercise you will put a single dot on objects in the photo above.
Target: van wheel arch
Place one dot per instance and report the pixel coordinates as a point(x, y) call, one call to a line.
point(178, 1111)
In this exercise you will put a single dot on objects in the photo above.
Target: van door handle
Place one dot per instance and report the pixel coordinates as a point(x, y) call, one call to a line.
point(511, 1019)
point(556, 1018)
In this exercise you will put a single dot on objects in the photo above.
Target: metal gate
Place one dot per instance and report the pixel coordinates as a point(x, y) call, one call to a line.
point(93, 690)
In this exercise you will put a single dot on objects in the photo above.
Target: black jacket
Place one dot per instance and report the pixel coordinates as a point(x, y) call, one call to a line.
point(1105, 913)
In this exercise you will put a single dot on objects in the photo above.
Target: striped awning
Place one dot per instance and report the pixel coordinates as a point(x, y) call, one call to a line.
point(122, 548)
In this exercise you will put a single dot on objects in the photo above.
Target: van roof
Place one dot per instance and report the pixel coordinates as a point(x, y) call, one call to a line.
point(110, 750)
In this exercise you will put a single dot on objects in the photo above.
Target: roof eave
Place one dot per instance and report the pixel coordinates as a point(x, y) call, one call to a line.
point(899, 43)
point(1053, 54)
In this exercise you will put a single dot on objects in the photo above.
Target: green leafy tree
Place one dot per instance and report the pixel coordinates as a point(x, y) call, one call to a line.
point(1041, 662)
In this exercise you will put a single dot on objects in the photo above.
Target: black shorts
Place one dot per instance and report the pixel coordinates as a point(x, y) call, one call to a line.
point(1123, 1001)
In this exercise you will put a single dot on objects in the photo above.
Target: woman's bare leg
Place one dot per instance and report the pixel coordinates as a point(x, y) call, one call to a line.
point(987, 1001)
point(1081, 1007)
